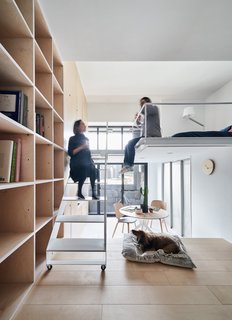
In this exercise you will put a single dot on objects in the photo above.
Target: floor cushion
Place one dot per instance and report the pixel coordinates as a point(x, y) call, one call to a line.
point(131, 251)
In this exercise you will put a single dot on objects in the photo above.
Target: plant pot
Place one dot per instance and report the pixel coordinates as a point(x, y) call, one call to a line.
point(144, 207)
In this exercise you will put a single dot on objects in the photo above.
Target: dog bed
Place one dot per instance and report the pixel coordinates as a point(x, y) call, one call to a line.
point(131, 251)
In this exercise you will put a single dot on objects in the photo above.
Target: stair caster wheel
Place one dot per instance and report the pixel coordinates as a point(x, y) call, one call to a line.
point(49, 267)
point(103, 266)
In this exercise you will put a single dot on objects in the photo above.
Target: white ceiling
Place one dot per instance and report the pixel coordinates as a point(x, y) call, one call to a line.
point(166, 49)
point(162, 81)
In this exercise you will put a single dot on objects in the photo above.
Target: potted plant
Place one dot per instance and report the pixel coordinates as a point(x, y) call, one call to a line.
point(144, 193)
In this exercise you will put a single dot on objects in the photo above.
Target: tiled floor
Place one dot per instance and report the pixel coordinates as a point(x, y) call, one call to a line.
point(128, 290)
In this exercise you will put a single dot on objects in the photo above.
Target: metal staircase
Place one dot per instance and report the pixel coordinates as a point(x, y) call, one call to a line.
point(59, 247)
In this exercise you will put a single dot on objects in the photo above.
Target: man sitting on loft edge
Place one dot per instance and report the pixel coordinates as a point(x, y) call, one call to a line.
point(153, 130)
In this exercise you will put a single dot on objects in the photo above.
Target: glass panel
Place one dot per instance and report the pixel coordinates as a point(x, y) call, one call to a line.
point(115, 139)
point(113, 174)
point(113, 189)
point(132, 183)
point(118, 137)
point(117, 187)
point(127, 135)
point(92, 136)
point(176, 191)
point(102, 139)
point(187, 223)
point(167, 190)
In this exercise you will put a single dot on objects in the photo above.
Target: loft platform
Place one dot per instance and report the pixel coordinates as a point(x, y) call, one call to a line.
point(176, 148)
point(166, 149)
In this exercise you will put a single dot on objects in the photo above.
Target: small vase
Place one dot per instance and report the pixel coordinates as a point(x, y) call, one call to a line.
point(144, 207)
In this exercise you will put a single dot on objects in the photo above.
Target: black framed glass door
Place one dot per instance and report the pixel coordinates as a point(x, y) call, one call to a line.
point(124, 188)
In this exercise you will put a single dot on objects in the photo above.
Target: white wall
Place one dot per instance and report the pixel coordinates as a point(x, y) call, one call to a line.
point(219, 117)
point(173, 122)
point(154, 181)
point(75, 106)
point(112, 112)
point(214, 117)
point(170, 116)
point(211, 196)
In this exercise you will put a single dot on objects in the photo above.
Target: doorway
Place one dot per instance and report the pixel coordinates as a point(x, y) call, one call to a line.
point(119, 188)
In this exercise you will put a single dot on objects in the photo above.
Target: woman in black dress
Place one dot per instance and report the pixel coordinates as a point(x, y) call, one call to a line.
point(81, 163)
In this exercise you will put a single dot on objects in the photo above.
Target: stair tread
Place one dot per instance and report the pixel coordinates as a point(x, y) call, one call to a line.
point(75, 198)
point(80, 218)
point(74, 244)
point(77, 262)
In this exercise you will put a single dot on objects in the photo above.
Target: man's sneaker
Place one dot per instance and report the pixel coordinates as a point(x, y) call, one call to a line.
point(126, 169)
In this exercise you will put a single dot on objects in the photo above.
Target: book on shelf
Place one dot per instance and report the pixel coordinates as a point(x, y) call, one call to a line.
point(6, 153)
point(23, 118)
point(18, 159)
point(14, 104)
point(39, 119)
point(10, 160)
point(13, 163)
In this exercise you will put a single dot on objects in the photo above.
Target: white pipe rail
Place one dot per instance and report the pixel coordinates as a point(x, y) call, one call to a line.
point(172, 104)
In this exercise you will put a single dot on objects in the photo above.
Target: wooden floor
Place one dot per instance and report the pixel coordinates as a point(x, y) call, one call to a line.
point(130, 290)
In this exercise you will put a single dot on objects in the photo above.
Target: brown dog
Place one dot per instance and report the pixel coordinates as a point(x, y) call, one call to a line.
point(149, 241)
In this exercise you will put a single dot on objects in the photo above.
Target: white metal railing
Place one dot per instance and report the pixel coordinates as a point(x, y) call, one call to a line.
point(143, 116)
point(144, 107)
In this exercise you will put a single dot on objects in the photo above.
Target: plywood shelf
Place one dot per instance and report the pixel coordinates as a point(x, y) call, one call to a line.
point(57, 67)
point(11, 297)
point(58, 148)
point(13, 185)
point(58, 159)
point(41, 28)
point(29, 62)
point(21, 50)
point(11, 241)
point(41, 101)
point(59, 133)
point(27, 154)
point(44, 161)
point(41, 64)
point(40, 264)
point(26, 7)
point(43, 82)
point(39, 181)
point(8, 125)
point(41, 239)
point(57, 117)
point(41, 140)
point(10, 12)
point(41, 222)
point(10, 71)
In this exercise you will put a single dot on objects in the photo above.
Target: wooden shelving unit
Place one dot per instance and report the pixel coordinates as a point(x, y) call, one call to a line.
point(29, 62)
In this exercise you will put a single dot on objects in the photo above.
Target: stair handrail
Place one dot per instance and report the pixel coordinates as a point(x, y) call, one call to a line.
point(144, 117)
